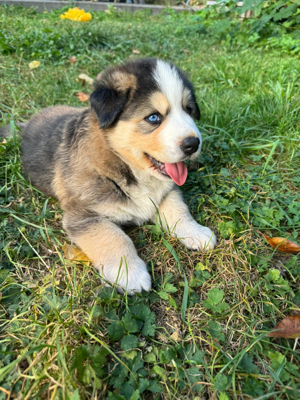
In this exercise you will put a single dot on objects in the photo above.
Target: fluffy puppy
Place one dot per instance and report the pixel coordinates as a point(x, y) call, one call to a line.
point(118, 162)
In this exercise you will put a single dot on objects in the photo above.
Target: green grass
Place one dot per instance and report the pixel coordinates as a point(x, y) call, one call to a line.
point(201, 332)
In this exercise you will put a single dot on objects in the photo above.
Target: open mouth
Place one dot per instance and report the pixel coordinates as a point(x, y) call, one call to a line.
point(159, 166)
point(176, 171)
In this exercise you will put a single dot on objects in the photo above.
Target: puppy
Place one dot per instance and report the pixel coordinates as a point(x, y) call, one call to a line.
point(118, 162)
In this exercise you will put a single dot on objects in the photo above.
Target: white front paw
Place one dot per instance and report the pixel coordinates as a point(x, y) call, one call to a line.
point(195, 236)
point(129, 273)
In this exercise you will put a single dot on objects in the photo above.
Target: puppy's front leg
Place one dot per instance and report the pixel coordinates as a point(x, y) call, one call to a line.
point(111, 251)
point(175, 215)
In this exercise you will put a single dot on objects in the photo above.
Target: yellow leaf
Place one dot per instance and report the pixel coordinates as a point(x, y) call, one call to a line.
point(73, 253)
point(201, 267)
point(34, 64)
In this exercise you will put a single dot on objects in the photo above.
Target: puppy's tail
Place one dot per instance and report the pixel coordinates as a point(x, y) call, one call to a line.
point(7, 131)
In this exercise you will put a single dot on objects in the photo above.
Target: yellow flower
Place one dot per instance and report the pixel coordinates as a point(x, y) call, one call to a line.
point(34, 64)
point(75, 14)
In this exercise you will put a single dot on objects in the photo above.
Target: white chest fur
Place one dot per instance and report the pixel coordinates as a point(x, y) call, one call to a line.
point(141, 205)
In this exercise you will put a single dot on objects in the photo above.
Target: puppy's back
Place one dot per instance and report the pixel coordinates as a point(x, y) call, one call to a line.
point(41, 140)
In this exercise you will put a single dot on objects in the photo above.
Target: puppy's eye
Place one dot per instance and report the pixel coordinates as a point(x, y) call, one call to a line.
point(154, 119)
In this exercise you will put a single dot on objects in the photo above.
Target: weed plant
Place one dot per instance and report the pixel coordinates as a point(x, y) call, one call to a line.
point(201, 333)
point(271, 24)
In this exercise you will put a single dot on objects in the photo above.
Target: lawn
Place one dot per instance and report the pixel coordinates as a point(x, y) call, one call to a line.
point(201, 333)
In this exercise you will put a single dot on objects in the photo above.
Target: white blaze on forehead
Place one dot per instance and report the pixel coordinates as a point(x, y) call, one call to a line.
point(169, 82)
point(178, 125)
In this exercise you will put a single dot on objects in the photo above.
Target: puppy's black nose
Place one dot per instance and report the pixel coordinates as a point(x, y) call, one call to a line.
point(190, 145)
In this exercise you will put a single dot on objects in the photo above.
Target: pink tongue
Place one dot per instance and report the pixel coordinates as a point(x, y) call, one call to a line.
point(178, 172)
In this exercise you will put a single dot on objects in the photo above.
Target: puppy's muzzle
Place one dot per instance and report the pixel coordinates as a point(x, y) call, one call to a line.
point(190, 145)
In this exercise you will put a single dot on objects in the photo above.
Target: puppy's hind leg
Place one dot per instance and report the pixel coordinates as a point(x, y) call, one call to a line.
point(111, 251)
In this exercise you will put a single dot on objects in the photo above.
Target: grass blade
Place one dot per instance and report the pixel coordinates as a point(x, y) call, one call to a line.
point(185, 298)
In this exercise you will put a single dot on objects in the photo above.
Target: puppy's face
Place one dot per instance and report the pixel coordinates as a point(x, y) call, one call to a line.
point(147, 108)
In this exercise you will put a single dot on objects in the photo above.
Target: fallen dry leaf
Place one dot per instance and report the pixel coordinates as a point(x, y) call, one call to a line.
point(82, 96)
point(284, 245)
point(288, 328)
point(73, 253)
point(135, 51)
point(175, 336)
point(84, 78)
point(73, 59)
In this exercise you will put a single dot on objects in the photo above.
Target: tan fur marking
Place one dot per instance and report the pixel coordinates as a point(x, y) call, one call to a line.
point(59, 185)
point(101, 241)
point(122, 80)
point(132, 144)
point(157, 102)
point(114, 255)
point(90, 158)
point(160, 103)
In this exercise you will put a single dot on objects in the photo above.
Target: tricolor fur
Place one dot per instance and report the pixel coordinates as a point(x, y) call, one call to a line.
point(118, 162)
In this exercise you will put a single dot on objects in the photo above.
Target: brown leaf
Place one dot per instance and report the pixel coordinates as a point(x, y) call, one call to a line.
point(284, 245)
point(288, 328)
point(73, 59)
point(135, 51)
point(73, 253)
point(82, 96)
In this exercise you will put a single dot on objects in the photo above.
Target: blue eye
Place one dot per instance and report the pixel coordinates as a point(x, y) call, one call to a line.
point(153, 119)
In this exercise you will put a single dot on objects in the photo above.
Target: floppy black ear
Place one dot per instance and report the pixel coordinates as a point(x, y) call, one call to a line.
point(108, 103)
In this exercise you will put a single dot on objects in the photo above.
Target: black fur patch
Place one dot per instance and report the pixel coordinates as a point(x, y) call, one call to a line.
point(126, 172)
point(118, 189)
point(108, 103)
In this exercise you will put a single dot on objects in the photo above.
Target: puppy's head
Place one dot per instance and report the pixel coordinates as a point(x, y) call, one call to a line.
point(147, 110)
